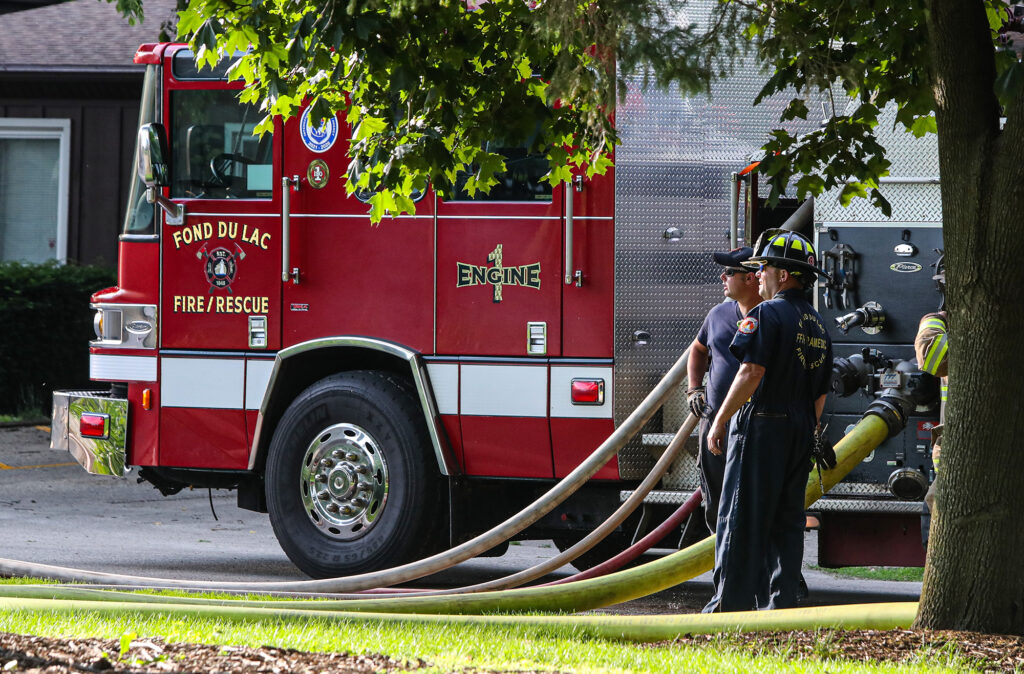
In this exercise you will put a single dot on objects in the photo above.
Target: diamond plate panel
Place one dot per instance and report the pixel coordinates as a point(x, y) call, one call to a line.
point(672, 170)
point(859, 489)
point(911, 188)
point(867, 506)
point(660, 497)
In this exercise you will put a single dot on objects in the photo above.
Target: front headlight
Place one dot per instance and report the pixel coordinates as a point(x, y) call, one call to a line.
point(126, 326)
point(108, 325)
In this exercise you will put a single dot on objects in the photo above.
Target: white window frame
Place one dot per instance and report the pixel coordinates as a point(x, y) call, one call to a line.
point(39, 128)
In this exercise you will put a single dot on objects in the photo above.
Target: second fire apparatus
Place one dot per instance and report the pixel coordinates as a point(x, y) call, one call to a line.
point(386, 390)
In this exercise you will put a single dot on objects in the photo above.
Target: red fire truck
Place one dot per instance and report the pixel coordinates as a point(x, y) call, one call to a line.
point(385, 390)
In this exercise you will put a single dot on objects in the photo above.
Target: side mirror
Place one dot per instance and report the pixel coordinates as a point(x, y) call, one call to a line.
point(152, 169)
point(152, 147)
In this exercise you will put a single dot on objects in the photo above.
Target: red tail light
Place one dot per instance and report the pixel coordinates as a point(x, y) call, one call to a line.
point(588, 391)
point(93, 425)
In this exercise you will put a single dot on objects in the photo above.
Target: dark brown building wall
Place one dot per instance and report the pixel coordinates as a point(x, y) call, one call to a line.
point(103, 116)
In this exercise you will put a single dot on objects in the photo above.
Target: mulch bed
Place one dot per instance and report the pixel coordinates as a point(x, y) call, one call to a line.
point(982, 652)
point(58, 656)
point(22, 654)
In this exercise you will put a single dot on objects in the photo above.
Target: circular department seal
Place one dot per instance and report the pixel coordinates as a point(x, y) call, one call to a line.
point(318, 139)
point(318, 173)
point(220, 267)
point(748, 325)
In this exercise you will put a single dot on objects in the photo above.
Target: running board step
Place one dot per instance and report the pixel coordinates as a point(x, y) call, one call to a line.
point(660, 496)
point(872, 506)
point(661, 439)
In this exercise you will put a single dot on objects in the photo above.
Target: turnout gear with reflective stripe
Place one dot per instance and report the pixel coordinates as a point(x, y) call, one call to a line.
point(932, 348)
point(932, 345)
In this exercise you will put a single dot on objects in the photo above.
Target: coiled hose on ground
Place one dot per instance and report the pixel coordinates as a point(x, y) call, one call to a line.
point(592, 593)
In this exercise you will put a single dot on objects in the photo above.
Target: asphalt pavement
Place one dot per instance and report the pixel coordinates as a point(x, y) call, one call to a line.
point(53, 512)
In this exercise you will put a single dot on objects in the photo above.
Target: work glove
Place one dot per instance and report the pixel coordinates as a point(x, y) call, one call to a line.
point(823, 454)
point(697, 400)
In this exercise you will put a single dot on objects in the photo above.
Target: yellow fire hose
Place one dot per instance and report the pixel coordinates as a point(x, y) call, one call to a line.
point(577, 596)
point(628, 628)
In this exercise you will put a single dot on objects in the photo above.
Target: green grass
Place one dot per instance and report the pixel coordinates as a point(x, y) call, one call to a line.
point(31, 416)
point(449, 648)
point(904, 573)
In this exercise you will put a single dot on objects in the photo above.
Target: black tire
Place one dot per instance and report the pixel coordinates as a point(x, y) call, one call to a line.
point(336, 445)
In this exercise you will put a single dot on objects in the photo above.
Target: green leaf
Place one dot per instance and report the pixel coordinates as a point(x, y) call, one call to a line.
point(558, 174)
point(1008, 84)
point(851, 190)
point(489, 164)
point(599, 165)
point(881, 203)
point(368, 126)
point(524, 69)
point(126, 643)
point(996, 16)
point(923, 125)
point(810, 184)
point(797, 109)
point(381, 203)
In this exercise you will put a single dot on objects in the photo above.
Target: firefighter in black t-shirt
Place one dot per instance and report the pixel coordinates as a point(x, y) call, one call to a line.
point(777, 396)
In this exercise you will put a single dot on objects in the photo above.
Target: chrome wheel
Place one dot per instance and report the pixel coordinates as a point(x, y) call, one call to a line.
point(344, 482)
point(351, 481)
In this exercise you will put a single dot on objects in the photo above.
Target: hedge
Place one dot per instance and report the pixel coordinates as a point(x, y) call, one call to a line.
point(45, 328)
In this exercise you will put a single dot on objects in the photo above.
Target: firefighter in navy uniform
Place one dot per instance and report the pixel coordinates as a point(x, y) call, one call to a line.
point(774, 404)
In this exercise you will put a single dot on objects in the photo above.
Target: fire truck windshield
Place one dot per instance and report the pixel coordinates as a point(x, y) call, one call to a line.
point(140, 216)
point(214, 154)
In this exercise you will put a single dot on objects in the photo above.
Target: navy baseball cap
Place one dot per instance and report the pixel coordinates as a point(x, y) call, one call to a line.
point(734, 258)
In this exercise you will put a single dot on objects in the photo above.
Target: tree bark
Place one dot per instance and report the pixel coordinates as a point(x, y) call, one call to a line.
point(973, 575)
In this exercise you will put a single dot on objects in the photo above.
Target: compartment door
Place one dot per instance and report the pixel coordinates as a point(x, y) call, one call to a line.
point(499, 309)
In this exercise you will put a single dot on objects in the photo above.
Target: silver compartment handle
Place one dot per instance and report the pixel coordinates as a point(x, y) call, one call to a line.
point(286, 228)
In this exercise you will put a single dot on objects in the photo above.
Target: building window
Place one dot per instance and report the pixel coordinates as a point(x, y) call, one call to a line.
point(34, 166)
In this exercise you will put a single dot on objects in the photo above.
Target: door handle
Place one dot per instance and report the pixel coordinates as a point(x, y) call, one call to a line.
point(286, 227)
point(571, 275)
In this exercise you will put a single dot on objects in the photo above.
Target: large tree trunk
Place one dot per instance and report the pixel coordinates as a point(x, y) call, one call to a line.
point(974, 578)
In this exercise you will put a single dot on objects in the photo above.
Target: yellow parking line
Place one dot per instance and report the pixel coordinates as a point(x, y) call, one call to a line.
point(4, 466)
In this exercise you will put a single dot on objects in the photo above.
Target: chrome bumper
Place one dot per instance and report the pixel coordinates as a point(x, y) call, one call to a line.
point(99, 456)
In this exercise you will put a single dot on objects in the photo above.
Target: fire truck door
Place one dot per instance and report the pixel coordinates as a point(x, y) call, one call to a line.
point(499, 296)
point(346, 275)
point(220, 311)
